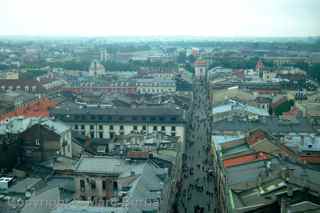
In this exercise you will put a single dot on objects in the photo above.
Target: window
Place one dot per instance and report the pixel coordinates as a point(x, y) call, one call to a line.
point(115, 185)
point(100, 127)
point(111, 135)
point(104, 185)
point(82, 126)
point(135, 128)
point(93, 184)
point(173, 134)
point(76, 127)
point(82, 186)
point(91, 134)
point(173, 128)
point(121, 127)
point(91, 127)
point(111, 127)
point(155, 128)
point(144, 128)
point(163, 128)
point(101, 149)
point(100, 134)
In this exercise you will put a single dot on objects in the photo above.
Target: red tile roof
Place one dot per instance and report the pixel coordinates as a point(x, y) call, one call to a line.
point(201, 63)
point(267, 91)
point(37, 108)
point(138, 155)
point(255, 137)
point(292, 113)
point(244, 159)
point(312, 159)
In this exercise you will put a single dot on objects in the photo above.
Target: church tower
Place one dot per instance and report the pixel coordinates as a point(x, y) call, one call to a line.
point(200, 68)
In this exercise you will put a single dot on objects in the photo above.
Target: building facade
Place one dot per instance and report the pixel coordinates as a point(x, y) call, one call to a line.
point(155, 86)
point(36, 139)
point(96, 122)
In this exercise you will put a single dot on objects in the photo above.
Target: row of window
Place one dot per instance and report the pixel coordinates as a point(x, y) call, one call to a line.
point(26, 88)
point(119, 118)
point(146, 90)
point(112, 134)
point(121, 127)
point(93, 186)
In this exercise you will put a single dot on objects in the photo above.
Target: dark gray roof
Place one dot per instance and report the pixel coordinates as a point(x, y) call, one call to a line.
point(120, 114)
point(270, 124)
point(148, 111)
point(148, 186)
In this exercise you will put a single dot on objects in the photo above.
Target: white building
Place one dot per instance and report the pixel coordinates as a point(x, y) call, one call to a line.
point(200, 69)
point(9, 75)
point(155, 86)
point(233, 108)
point(96, 69)
point(96, 122)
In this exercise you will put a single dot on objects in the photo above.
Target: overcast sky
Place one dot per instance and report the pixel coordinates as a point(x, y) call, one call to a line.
point(160, 17)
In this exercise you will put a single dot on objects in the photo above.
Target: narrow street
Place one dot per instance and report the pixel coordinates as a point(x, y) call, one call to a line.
point(196, 186)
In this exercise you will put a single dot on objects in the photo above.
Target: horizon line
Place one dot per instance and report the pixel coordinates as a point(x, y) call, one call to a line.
point(155, 36)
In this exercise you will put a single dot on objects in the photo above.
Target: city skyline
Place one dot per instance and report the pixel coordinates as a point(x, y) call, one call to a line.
point(245, 18)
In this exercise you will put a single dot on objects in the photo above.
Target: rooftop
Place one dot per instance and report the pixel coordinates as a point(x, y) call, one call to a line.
point(108, 166)
point(234, 105)
point(18, 125)
point(269, 124)
point(24, 185)
point(118, 111)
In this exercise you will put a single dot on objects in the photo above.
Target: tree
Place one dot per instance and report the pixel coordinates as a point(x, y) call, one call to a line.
point(181, 57)
point(191, 59)
point(284, 107)
point(32, 74)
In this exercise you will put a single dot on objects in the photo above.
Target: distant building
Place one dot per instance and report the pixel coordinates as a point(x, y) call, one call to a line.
point(104, 56)
point(259, 65)
point(200, 67)
point(31, 86)
point(268, 75)
point(155, 86)
point(233, 108)
point(9, 76)
point(27, 106)
point(96, 69)
point(120, 87)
